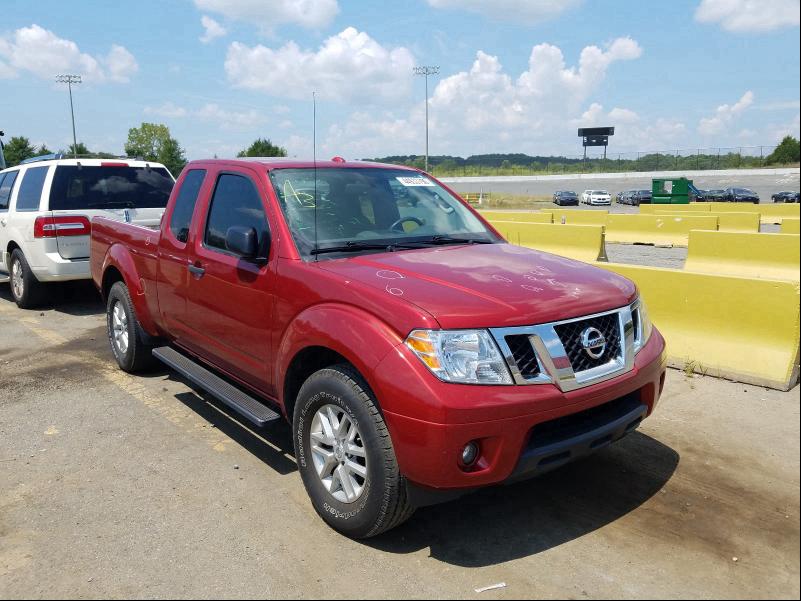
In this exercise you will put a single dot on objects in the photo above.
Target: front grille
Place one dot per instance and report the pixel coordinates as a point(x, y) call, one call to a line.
point(570, 335)
point(524, 355)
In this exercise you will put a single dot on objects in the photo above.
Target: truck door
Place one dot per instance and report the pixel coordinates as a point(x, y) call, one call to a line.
point(230, 298)
point(173, 277)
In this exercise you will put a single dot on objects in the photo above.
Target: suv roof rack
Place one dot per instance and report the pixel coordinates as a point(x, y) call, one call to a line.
point(43, 157)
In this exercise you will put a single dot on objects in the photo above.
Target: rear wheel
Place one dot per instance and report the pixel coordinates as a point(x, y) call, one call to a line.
point(28, 292)
point(345, 455)
point(131, 345)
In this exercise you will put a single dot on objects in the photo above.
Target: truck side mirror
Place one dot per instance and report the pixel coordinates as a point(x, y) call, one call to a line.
point(242, 241)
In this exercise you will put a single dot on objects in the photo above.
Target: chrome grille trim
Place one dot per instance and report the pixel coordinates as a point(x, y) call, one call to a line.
point(554, 363)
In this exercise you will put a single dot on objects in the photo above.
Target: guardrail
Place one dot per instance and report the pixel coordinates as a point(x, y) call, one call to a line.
point(727, 222)
point(755, 255)
point(580, 242)
point(578, 216)
point(733, 327)
point(660, 230)
point(791, 226)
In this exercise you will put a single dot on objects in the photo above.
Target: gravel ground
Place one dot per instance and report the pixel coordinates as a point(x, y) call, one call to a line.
point(116, 486)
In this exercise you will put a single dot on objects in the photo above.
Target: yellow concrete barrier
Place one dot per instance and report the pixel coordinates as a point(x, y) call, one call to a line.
point(768, 256)
point(791, 226)
point(649, 209)
point(661, 230)
point(521, 216)
point(730, 222)
point(579, 216)
point(769, 212)
point(738, 328)
point(581, 242)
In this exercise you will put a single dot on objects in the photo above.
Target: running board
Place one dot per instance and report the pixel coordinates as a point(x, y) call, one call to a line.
point(236, 399)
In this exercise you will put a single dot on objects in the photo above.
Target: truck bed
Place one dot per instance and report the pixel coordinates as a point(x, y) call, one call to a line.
point(139, 242)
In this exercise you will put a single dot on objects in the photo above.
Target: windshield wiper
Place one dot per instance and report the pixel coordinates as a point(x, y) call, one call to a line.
point(359, 246)
point(453, 240)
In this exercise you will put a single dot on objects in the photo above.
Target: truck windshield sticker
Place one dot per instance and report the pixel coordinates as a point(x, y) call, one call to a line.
point(415, 181)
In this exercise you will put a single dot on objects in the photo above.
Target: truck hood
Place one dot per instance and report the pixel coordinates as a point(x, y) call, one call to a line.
point(488, 285)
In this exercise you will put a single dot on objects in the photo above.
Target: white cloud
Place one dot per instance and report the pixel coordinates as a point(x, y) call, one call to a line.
point(120, 64)
point(632, 132)
point(529, 11)
point(485, 109)
point(348, 65)
point(214, 113)
point(749, 15)
point(168, 110)
point(268, 14)
point(44, 54)
point(212, 29)
point(725, 115)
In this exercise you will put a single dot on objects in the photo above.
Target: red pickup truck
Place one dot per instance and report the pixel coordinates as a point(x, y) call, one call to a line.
point(415, 353)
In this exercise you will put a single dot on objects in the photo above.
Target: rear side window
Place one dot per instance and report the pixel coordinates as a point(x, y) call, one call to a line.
point(236, 202)
point(30, 190)
point(185, 204)
point(6, 186)
point(109, 187)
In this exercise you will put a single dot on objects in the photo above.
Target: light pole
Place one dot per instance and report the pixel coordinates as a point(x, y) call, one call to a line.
point(69, 80)
point(426, 71)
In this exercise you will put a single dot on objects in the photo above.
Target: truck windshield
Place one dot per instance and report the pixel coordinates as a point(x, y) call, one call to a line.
point(371, 208)
point(107, 187)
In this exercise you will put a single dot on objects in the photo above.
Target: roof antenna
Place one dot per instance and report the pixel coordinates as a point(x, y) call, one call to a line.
point(314, 161)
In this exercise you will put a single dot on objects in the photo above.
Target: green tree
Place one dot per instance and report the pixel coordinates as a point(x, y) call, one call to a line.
point(43, 149)
point(171, 155)
point(18, 149)
point(80, 149)
point(263, 148)
point(147, 140)
point(788, 151)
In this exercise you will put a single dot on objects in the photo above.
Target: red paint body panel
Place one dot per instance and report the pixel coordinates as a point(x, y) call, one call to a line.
point(250, 320)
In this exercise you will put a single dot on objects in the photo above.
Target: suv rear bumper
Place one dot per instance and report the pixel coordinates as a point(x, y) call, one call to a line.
point(51, 267)
point(522, 431)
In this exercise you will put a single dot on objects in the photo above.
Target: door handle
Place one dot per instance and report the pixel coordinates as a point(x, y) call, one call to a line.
point(196, 270)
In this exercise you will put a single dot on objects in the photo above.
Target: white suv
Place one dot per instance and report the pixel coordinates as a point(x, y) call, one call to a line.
point(46, 208)
point(596, 197)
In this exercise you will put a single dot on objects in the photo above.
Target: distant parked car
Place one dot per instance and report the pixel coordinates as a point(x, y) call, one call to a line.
point(640, 197)
point(785, 197)
point(619, 196)
point(741, 195)
point(716, 195)
point(596, 197)
point(565, 198)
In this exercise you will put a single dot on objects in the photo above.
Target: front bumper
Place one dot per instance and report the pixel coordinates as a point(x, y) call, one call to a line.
point(430, 421)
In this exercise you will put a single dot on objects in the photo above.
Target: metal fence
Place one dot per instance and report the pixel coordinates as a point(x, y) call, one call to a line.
point(695, 159)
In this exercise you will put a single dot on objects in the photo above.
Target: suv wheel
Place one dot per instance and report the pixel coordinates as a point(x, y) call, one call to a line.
point(345, 455)
point(130, 344)
point(28, 292)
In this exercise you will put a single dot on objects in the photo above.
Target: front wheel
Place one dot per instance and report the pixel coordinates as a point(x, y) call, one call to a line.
point(131, 345)
point(345, 455)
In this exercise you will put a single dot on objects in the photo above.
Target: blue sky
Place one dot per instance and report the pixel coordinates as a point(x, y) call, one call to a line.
point(515, 75)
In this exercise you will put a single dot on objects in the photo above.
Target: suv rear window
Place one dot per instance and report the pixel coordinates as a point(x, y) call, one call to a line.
point(109, 188)
point(30, 190)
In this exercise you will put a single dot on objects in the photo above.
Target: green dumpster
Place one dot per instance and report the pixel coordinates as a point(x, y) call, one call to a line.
point(674, 191)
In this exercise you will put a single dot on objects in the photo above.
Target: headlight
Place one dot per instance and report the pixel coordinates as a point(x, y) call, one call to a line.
point(642, 324)
point(463, 356)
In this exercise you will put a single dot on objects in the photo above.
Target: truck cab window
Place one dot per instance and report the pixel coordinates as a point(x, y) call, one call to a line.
point(236, 202)
point(185, 204)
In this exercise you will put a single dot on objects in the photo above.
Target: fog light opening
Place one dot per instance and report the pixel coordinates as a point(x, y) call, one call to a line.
point(470, 454)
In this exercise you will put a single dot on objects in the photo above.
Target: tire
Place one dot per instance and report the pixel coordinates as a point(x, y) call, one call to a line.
point(130, 344)
point(339, 395)
point(27, 291)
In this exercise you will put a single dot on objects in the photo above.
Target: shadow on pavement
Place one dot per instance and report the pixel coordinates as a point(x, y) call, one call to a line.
point(504, 523)
point(77, 298)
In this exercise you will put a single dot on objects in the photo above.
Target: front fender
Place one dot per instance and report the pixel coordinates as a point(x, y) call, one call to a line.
point(359, 336)
point(119, 257)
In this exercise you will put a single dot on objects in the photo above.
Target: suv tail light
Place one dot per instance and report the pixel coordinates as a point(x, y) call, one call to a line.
point(67, 225)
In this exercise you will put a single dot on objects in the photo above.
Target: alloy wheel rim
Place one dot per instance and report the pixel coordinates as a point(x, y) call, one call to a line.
point(119, 328)
point(338, 453)
point(17, 281)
